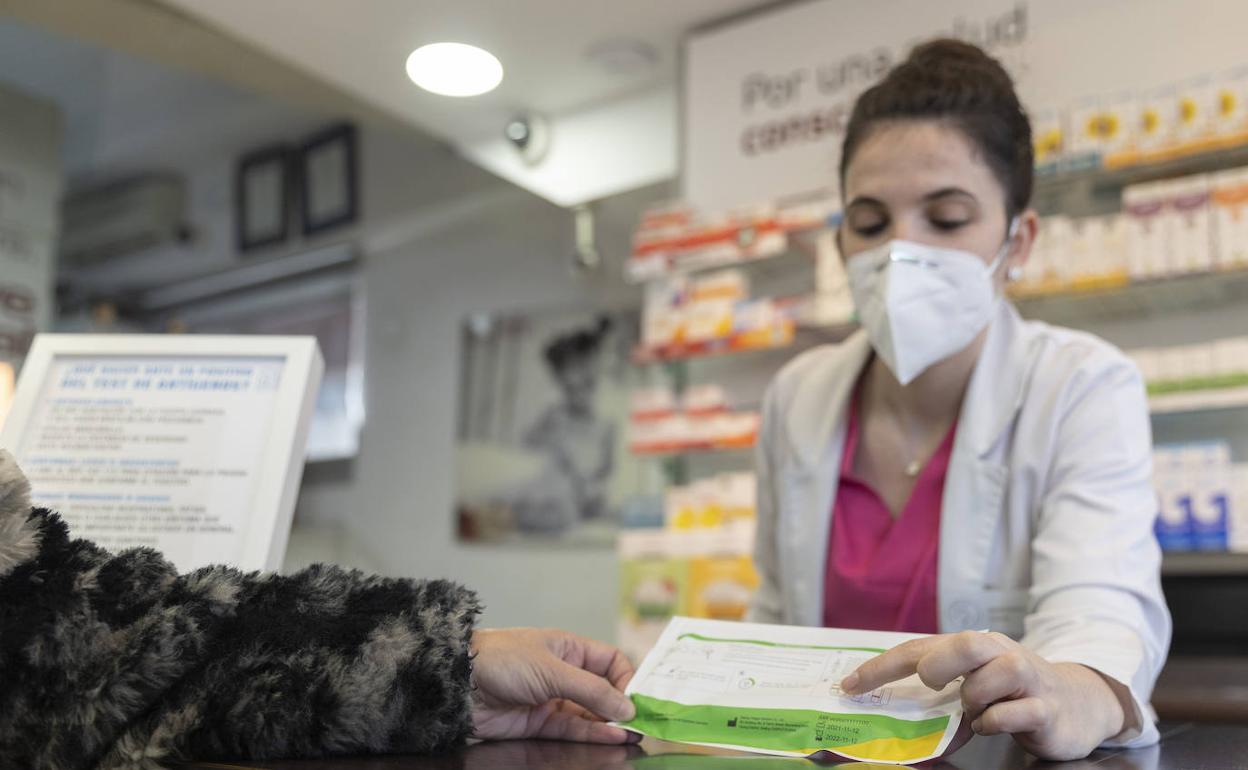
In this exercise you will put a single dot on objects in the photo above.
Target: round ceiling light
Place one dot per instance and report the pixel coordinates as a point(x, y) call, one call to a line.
point(454, 69)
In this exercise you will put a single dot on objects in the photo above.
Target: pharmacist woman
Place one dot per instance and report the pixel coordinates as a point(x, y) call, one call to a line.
point(952, 469)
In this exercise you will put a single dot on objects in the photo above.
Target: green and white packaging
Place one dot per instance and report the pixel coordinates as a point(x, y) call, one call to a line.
point(776, 690)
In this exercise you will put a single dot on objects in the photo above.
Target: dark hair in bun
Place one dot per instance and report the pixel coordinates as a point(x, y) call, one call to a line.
point(956, 82)
point(576, 345)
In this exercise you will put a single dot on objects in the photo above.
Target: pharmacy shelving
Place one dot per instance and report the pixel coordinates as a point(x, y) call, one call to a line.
point(789, 250)
point(1203, 563)
point(1086, 302)
point(798, 334)
point(1198, 401)
point(781, 336)
point(1134, 299)
point(684, 244)
point(1092, 181)
point(1092, 191)
point(696, 451)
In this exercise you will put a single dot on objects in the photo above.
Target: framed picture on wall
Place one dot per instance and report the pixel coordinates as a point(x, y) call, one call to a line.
point(262, 197)
point(541, 454)
point(328, 179)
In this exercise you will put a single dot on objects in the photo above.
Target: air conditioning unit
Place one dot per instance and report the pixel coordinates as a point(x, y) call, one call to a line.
point(121, 218)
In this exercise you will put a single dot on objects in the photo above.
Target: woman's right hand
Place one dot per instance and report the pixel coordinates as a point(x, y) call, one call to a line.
point(1058, 711)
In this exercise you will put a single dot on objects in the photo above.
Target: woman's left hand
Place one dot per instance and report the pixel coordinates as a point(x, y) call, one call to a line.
point(1056, 711)
point(545, 683)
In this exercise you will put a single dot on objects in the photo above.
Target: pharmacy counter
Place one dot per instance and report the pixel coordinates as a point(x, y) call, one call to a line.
point(1184, 746)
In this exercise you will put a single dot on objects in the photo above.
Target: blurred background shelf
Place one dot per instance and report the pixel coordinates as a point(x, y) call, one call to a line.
point(710, 348)
point(807, 332)
point(786, 248)
point(1204, 563)
point(1200, 688)
point(698, 451)
point(1098, 190)
point(1138, 298)
point(1199, 401)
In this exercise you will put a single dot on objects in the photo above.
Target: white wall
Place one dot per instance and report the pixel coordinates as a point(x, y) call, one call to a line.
point(125, 116)
point(494, 247)
point(30, 186)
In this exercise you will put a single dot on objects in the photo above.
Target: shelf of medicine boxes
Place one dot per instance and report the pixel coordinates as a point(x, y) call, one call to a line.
point(733, 242)
point(762, 243)
point(1199, 400)
point(805, 330)
point(1084, 187)
point(1093, 190)
point(695, 450)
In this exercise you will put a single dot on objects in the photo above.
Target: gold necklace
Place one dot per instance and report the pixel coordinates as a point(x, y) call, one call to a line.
point(913, 466)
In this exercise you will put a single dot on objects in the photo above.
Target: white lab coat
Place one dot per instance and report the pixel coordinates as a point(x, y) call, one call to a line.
point(1046, 530)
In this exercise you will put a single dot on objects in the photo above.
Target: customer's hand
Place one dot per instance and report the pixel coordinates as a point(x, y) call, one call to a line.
point(1054, 710)
point(538, 683)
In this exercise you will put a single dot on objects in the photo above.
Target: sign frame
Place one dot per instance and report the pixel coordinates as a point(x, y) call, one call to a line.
point(281, 470)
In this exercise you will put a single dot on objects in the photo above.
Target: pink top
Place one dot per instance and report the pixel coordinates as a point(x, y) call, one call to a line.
point(881, 571)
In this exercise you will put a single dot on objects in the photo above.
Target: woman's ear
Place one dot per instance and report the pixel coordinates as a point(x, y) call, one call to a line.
point(1022, 241)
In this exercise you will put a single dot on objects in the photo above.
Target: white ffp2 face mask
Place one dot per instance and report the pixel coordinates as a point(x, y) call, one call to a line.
point(921, 304)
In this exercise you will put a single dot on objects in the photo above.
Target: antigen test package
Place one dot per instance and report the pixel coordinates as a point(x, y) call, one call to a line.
point(776, 690)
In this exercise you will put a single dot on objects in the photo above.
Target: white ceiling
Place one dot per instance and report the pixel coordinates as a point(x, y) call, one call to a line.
point(361, 47)
point(123, 114)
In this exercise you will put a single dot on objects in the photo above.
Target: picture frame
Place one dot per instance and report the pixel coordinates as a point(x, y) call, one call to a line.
point(262, 198)
point(328, 179)
point(541, 443)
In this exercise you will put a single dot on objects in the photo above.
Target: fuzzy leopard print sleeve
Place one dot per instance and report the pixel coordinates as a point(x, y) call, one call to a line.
point(116, 661)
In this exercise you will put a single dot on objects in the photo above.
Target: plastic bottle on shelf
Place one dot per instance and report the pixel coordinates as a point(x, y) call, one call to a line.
point(708, 321)
point(1229, 204)
point(1237, 534)
point(662, 312)
point(1187, 202)
point(679, 508)
point(1154, 124)
point(742, 489)
point(1230, 356)
point(1196, 111)
point(1119, 117)
point(1088, 128)
point(1207, 476)
point(1059, 273)
point(1231, 119)
point(1146, 360)
point(1148, 230)
point(651, 403)
point(1048, 139)
point(1173, 526)
point(1114, 259)
point(1196, 363)
point(732, 284)
point(703, 398)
